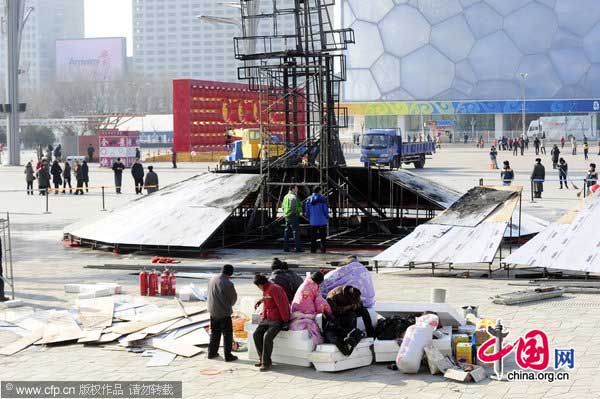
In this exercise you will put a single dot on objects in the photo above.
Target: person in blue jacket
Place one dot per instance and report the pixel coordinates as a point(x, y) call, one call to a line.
point(317, 212)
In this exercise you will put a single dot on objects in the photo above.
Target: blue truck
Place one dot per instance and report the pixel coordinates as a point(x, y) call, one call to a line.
point(384, 147)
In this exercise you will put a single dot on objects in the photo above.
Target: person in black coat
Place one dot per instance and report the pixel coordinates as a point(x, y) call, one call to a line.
point(138, 154)
point(67, 178)
point(118, 168)
point(43, 176)
point(56, 172)
point(555, 155)
point(85, 174)
point(79, 178)
point(563, 170)
point(538, 176)
point(287, 279)
point(90, 152)
point(137, 171)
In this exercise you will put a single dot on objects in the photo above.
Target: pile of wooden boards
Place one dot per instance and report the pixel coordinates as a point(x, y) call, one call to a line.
point(118, 323)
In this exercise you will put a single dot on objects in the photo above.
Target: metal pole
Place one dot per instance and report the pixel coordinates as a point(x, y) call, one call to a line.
point(103, 204)
point(10, 260)
point(47, 195)
point(13, 13)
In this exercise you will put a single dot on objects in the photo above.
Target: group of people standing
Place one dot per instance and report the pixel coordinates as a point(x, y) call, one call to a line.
point(288, 300)
point(538, 175)
point(48, 175)
point(316, 211)
point(150, 183)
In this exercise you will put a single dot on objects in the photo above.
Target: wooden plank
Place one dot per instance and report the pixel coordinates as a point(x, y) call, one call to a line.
point(505, 213)
point(178, 348)
point(61, 327)
point(161, 358)
point(109, 337)
point(159, 328)
point(22, 343)
point(156, 318)
point(96, 313)
point(196, 337)
point(90, 336)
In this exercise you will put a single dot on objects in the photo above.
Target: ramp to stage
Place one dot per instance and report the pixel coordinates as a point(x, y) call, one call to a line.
point(470, 231)
point(571, 243)
point(184, 214)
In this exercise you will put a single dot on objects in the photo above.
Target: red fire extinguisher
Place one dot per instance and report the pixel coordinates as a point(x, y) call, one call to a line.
point(153, 284)
point(144, 277)
point(172, 284)
point(164, 282)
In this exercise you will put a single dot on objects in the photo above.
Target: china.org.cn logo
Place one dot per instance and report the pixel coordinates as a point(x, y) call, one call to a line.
point(532, 354)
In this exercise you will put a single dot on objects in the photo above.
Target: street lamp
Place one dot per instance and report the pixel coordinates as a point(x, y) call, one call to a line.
point(524, 77)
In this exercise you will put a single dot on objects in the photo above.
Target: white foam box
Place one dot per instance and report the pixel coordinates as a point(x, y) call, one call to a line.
point(80, 288)
point(289, 347)
point(386, 350)
point(444, 344)
point(327, 357)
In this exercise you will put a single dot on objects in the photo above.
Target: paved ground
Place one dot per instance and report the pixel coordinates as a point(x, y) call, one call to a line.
point(43, 265)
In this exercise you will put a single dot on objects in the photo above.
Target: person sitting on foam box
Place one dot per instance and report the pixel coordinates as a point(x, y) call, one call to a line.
point(354, 274)
point(341, 328)
point(307, 304)
point(276, 312)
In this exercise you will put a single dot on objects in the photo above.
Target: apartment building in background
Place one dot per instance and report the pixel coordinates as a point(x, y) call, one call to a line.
point(170, 41)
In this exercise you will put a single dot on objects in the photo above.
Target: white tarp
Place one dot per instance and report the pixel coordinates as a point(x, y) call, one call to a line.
point(184, 214)
point(572, 243)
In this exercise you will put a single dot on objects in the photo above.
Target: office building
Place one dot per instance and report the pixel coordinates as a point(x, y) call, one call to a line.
point(170, 41)
point(49, 20)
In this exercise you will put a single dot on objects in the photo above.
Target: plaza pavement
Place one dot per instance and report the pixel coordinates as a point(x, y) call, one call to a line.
point(43, 265)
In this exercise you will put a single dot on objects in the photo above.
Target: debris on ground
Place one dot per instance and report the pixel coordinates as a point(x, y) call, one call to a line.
point(538, 294)
point(116, 322)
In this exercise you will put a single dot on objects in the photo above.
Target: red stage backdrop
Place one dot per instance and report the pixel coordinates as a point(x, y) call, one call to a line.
point(203, 111)
point(116, 144)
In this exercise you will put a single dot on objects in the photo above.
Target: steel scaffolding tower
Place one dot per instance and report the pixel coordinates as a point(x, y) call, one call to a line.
point(293, 57)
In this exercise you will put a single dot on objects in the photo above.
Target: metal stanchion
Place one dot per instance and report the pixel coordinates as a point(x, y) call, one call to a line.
point(47, 194)
point(532, 200)
point(103, 204)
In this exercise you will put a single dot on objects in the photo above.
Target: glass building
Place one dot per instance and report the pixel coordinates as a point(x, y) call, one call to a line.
point(476, 62)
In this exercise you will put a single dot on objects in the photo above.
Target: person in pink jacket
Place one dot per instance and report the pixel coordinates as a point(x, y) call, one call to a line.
point(306, 305)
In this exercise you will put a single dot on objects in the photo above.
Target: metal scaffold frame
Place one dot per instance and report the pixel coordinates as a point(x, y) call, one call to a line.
point(292, 56)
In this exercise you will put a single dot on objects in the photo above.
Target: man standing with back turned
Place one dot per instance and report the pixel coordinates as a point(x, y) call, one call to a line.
point(221, 297)
point(317, 212)
point(292, 209)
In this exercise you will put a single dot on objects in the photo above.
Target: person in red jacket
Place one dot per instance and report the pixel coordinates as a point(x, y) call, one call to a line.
point(276, 312)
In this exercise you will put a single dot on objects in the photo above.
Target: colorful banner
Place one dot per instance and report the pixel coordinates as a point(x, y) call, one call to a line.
point(472, 107)
point(115, 144)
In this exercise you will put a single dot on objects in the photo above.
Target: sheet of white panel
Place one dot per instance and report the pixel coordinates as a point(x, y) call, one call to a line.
point(184, 214)
point(572, 246)
point(431, 243)
point(442, 195)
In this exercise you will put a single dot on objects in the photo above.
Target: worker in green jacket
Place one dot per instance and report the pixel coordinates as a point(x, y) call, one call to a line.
point(292, 209)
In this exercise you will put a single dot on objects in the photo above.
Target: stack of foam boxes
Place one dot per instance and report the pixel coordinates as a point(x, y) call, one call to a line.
point(327, 357)
point(289, 347)
point(297, 348)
